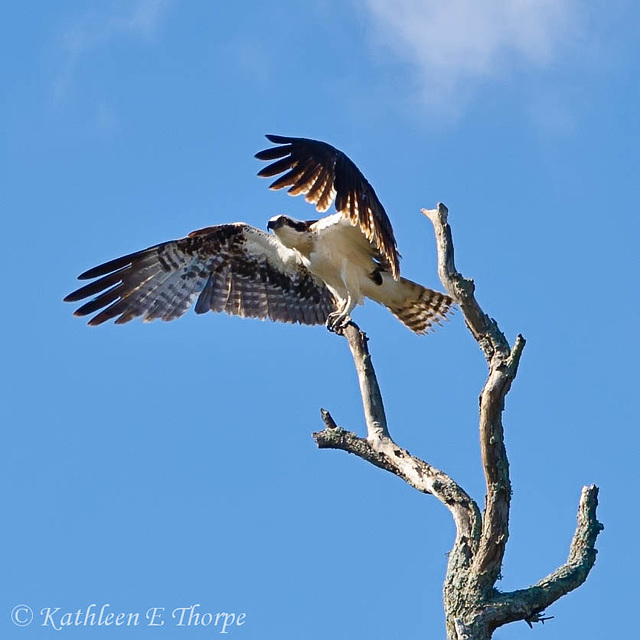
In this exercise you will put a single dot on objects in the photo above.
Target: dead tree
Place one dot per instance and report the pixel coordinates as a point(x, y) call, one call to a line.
point(473, 606)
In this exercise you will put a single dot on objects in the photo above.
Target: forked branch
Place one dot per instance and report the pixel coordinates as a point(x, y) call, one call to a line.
point(473, 607)
point(527, 603)
point(379, 449)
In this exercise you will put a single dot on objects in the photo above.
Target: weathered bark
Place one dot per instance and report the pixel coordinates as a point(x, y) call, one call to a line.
point(474, 608)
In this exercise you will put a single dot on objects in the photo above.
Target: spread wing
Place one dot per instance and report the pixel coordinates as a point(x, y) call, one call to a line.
point(325, 174)
point(231, 267)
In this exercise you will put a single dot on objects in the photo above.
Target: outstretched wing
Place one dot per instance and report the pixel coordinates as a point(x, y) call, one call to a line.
point(231, 267)
point(325, 174)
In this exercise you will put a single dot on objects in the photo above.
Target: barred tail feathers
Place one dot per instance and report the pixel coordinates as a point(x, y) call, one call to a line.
point(417, 307)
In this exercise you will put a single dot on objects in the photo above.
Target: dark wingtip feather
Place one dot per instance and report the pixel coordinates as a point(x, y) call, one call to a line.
point(106, 267)
point(95, 287)
point(273, 153)
point(277, 167)
point(74, 296)
point(117, 263)
point(282, 182)
point(79, 313)
point(263, 173)
point(97, 303)
point(278, 139)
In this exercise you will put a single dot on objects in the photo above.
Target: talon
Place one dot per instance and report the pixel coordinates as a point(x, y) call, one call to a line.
point(330, 327)
point(337, 322)
point(331, 322)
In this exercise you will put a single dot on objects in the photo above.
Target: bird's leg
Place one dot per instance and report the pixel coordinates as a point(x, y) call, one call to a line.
point(338, 320)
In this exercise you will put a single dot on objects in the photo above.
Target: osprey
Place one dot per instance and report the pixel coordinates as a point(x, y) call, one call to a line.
point(311, 272)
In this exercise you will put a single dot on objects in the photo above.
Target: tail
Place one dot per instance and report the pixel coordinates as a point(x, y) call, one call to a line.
point(417, 307)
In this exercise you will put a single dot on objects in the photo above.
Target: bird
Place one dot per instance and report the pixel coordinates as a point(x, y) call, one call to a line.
point(309, 272)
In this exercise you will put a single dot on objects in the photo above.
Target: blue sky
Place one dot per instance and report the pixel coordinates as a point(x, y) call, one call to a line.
point(167, 465)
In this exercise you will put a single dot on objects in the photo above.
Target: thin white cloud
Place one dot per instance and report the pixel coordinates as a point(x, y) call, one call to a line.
point(454, 44)
point(94, 29)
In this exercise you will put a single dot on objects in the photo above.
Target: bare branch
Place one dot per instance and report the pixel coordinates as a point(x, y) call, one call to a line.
point(527, 604)
point(379, 449)
point(328, 419)
point(369, 389)
point(503, 366)
point(387, 455)
point(484, 329)
point(495, 530)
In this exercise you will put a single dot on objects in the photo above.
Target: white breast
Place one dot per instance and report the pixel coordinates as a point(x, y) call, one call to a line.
point(341, 256)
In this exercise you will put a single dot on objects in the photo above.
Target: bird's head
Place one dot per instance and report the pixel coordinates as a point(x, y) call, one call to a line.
point(289, 231)
point(277, 222)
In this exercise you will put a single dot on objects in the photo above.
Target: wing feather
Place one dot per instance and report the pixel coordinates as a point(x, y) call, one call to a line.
point(311, 175)
point(234, 268)
point(326, 175)
point(273, 153)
